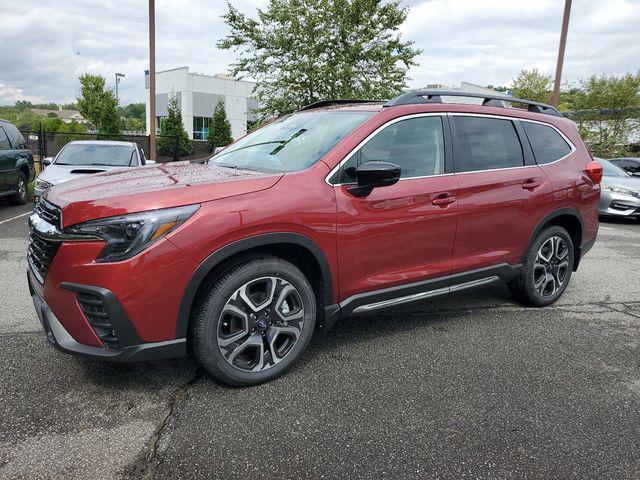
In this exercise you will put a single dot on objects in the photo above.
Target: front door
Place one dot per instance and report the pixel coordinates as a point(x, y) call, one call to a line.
point(404, 233)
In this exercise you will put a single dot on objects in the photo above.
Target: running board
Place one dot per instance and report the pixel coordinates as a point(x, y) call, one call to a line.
point(425, 295)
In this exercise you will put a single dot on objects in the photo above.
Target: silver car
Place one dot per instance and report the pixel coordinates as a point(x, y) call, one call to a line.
point(620, 195)
point(86, 157)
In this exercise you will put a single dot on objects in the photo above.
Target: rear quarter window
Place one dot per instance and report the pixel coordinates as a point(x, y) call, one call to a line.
point(547, 144)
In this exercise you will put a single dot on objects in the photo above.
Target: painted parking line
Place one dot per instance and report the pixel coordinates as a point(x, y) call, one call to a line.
point(16, 217)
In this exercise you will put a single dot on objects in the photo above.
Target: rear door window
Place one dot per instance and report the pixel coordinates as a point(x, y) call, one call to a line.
point(16, 138)
point(547, 144)
point(4, 140)
point(486, 144)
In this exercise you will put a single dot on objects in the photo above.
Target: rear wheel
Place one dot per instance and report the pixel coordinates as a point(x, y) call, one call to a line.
point(546, 269)
point(20, 197)
point(254, 322)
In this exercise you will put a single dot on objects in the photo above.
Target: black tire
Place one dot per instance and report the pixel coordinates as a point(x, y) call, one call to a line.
point(208, 321)
point(22, 191)
point(526, 287)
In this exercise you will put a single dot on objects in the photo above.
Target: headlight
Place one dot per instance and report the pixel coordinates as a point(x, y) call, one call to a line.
point(42, 184)
point(622, 191)
point(128, 235)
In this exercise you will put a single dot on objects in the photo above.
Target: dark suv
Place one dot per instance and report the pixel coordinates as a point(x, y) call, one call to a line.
point(340, 209)
point(16, 164)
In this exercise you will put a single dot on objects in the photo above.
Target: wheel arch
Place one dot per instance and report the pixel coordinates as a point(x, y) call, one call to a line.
point(569, 219)
point(299, 249)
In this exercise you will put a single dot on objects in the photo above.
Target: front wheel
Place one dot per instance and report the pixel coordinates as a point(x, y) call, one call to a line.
point(255, 322)
point(546, 269)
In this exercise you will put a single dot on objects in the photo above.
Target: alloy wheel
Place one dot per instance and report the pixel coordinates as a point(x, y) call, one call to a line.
point(22, 187)
point(551, 268)
point(260, 324)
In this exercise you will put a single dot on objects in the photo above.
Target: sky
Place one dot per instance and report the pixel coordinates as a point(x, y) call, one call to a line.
point(46, 44)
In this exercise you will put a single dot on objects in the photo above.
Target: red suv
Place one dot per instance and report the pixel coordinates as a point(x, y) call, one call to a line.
point(342, 208)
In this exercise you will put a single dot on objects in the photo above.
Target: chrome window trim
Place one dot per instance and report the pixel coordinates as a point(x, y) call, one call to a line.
point(451, 114)
point(373, 134)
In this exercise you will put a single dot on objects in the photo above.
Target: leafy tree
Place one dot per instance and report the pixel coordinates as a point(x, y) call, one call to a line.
point(98, 105)
point(67, 130)
point(302, 51)
point(134, 110)
point(532, 85)
point(219, 134)
point(607, 110)
point(173, 139)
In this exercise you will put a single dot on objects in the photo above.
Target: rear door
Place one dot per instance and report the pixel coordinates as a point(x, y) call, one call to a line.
point(403, 233)
point(501, 191)
point(7, 162)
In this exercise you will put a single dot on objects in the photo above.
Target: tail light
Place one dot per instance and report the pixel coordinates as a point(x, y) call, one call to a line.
point(594, 171)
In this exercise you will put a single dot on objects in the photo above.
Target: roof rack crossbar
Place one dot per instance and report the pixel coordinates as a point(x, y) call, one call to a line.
point(495, 100)
point(328, 103)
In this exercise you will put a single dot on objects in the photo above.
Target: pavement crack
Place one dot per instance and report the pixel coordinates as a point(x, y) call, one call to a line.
point(144, 467)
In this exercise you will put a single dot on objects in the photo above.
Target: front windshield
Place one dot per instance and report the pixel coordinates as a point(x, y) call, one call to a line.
point(610, 170)
point(95, 154)
point(292, 143)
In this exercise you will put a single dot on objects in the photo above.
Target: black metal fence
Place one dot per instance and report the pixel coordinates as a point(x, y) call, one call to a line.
point(44, 144)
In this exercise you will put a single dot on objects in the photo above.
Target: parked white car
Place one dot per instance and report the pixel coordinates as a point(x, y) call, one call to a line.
point(86, 157)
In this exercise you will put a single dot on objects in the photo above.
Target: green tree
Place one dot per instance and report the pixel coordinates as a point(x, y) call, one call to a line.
point(67, 130)
point(134, 110)
point(532, 85)
point(607, 110)
point(302, 51)
point(174, 139)
point(219, 134)
point(98, 105)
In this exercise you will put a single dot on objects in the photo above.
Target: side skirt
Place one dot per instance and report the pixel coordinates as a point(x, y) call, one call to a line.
point(367, 302)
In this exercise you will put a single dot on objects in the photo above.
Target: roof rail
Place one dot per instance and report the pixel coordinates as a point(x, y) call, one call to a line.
point(489, 100)
point(328, 103)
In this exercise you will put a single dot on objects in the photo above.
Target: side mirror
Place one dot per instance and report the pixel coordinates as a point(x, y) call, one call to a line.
point(47, 161)
point(371, 175)
point(150, 162)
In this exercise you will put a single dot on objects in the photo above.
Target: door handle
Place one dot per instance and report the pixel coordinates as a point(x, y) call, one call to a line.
point(530, 184)
point(443, 200)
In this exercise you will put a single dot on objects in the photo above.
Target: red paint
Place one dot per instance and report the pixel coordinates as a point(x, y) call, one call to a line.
point(414, 230)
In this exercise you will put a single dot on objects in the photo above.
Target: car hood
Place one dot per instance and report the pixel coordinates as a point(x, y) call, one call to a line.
point(55, 174)
point(132, 190)
point(630, 183)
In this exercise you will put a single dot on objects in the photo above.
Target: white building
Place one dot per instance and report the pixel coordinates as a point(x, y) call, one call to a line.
point(198, 95)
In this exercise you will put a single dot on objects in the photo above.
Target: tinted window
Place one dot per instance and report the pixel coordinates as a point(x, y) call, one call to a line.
point(97, 154)
point(291, 143)
point(4, 141)
point(632, 165)
point(486, 143)
point(547, 144)
point(610, 170)
point(415, 144)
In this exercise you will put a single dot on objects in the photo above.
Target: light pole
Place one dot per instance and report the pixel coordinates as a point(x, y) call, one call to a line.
point(152, 79)
point(563, 42)
point(118, 77)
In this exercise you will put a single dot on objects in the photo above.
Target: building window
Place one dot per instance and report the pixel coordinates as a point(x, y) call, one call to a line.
point(159, 121)
point(201, 127)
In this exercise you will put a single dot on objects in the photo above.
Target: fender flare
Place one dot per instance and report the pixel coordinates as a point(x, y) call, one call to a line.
point(575, 213)
point(233, 248)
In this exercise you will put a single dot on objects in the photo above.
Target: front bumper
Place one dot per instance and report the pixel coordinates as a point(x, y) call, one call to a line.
point(619, 205)
point(59, 337)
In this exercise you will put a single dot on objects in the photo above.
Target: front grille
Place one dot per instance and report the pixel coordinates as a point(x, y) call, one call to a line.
point(97, 315)
point(49, 213)
point(40, 255)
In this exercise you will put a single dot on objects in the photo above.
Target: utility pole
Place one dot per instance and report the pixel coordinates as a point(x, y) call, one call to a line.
point(118, 77)
point(563, 42)
point(152, 80)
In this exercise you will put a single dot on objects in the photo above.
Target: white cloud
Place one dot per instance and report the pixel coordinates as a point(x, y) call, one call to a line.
point(47, 44)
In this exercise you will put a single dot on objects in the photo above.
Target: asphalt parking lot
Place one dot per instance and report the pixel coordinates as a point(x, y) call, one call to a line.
point(473, 386)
